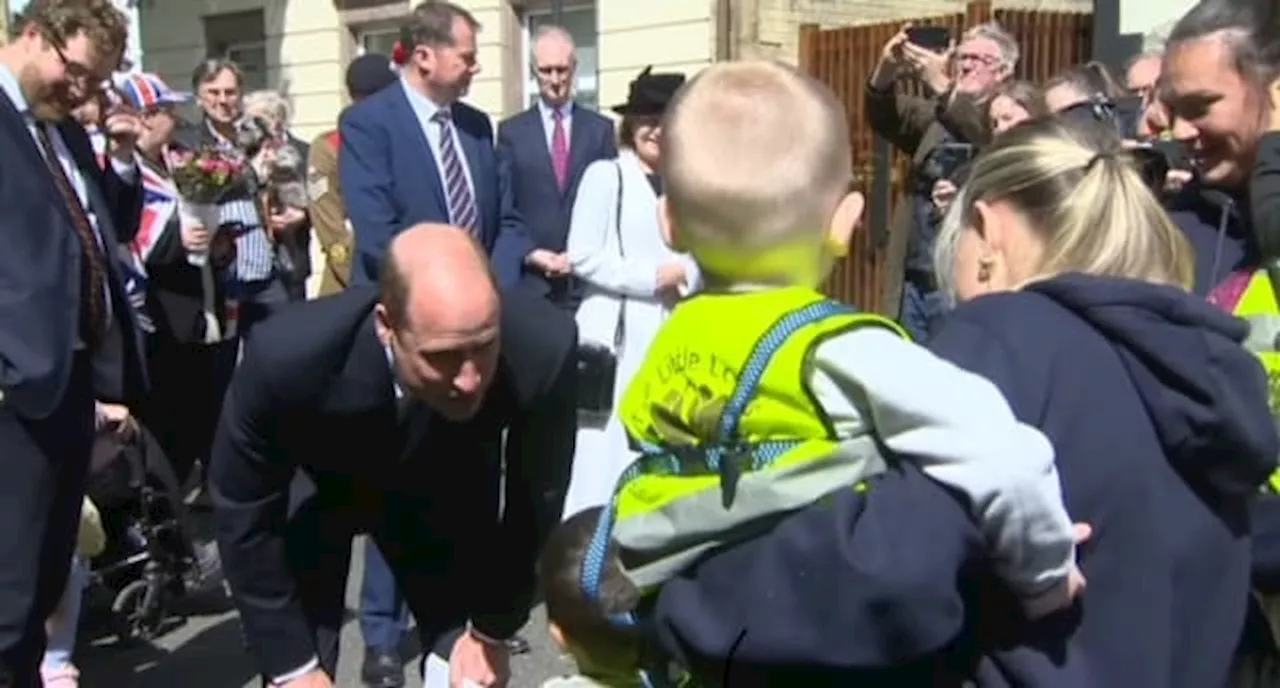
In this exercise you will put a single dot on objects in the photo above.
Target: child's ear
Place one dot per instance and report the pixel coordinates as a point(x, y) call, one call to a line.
point(670, 234)
point(557, 635)
point(844, 221)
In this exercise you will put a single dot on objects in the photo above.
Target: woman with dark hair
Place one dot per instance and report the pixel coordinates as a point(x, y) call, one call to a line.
point(632, 277)
point(1015, 102)
point(1221, 63)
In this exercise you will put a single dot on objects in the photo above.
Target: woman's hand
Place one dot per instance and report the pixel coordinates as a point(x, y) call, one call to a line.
point(285, 220)
point(196, 239)
point(671, 276)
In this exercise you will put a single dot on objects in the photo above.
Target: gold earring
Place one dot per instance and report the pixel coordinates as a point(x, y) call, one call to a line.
point(984, 270)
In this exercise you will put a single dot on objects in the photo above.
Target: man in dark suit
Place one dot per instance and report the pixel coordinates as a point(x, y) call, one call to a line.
point(389, 406)
point(68, 331)
point(546, 148)
point(414, 154)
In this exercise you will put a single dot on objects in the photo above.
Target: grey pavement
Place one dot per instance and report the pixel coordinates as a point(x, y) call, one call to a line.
point(207, 652)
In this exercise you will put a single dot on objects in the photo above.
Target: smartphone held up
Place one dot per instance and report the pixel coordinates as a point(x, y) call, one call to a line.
point(935, 38)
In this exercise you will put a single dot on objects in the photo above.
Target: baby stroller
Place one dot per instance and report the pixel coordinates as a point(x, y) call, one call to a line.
point(150, 560)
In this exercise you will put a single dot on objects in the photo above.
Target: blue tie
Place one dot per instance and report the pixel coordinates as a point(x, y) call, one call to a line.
point(462, 206)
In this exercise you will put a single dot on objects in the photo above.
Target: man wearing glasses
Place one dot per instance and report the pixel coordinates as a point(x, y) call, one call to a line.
point(960, 78)
point(67, 333)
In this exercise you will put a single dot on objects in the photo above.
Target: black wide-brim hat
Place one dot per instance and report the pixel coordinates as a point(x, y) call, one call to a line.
point(650, 93)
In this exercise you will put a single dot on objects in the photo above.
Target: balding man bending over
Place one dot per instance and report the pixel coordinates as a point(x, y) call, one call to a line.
point(381, 410)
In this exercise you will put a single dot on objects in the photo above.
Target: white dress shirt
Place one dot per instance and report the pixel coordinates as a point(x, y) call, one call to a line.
point(549, 122)
point(425, 109)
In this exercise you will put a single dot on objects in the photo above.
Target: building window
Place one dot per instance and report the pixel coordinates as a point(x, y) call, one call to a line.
point(580, 21)
point(378, 41)
point(242, 38)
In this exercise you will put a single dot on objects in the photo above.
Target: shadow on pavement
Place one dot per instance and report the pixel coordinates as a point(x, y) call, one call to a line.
point(202, 661)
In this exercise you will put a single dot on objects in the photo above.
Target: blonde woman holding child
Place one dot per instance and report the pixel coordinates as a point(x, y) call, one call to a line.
point(1075, 325)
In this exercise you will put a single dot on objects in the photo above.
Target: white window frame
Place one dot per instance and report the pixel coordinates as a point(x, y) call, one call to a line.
point(584, 82)
point(374, 30)
point(254, 79)
point(233, 40)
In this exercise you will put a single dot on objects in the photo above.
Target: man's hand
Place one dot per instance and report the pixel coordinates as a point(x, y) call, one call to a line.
point(931, 67)
point(549, 263)
point(886, 71)
point(475, 661)
point(311, 679)
point(891, 53)
point(286, 220)
point(116, 418)
point(122, 128)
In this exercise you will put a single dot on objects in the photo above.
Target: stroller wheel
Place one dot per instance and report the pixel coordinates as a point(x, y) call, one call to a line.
point(136, 612)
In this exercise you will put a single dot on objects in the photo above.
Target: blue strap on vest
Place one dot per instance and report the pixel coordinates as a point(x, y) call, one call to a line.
point(727, 456)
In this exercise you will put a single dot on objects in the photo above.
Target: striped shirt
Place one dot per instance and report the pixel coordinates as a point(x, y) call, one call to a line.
point(255, 254)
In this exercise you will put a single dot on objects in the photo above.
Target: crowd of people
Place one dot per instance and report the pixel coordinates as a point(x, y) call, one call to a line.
point(590, 362)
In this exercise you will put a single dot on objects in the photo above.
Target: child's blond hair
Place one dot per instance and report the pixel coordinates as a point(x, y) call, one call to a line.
point(755, 158)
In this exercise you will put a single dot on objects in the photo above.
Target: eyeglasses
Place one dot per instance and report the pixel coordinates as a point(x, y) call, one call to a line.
point(553, 70)
point(81, 76)
point(984, 60)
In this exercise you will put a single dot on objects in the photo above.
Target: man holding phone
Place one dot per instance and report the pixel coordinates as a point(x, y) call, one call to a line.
point(934, 130)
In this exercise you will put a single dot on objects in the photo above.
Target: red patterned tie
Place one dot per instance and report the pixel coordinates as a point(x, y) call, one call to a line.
point(93, 275)
point(559, 149)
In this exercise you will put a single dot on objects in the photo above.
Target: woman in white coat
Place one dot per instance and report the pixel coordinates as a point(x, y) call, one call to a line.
point(631, 278)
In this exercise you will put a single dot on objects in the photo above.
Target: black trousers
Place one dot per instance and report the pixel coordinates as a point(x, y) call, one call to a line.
point(188, 383)
point(428, 539)
point(43, 469)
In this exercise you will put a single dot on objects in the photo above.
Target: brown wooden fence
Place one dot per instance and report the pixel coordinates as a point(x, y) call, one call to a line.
point(843, 59)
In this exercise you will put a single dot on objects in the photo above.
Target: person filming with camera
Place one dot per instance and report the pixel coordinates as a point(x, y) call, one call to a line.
point(938, 131)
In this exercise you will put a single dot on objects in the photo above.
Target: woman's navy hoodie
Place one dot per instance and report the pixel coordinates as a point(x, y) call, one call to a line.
point(1162, 432)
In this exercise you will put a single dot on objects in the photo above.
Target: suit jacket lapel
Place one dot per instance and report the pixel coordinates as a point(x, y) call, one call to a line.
point(471, 156)
point(24, 144)
point(577, 145)
point(537, 136)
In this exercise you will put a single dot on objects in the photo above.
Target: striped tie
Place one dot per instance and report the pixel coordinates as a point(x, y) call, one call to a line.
point(462, 207)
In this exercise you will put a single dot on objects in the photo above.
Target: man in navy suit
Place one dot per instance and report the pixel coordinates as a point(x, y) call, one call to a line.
point(546, 148)
point(385, 408)
point(68, 332)
point(412, 153)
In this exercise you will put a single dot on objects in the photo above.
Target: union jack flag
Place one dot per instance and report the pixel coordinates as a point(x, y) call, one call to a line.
point(159, 203)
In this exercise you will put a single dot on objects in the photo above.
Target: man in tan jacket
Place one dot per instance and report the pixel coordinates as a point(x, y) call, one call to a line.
point(366, 75)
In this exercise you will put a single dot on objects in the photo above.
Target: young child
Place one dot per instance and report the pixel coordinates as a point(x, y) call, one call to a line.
point(757, 167)
point(605, 654)
point(56, 668)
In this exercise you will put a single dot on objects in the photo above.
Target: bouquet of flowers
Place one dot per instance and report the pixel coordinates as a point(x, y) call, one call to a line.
point(203, 178)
